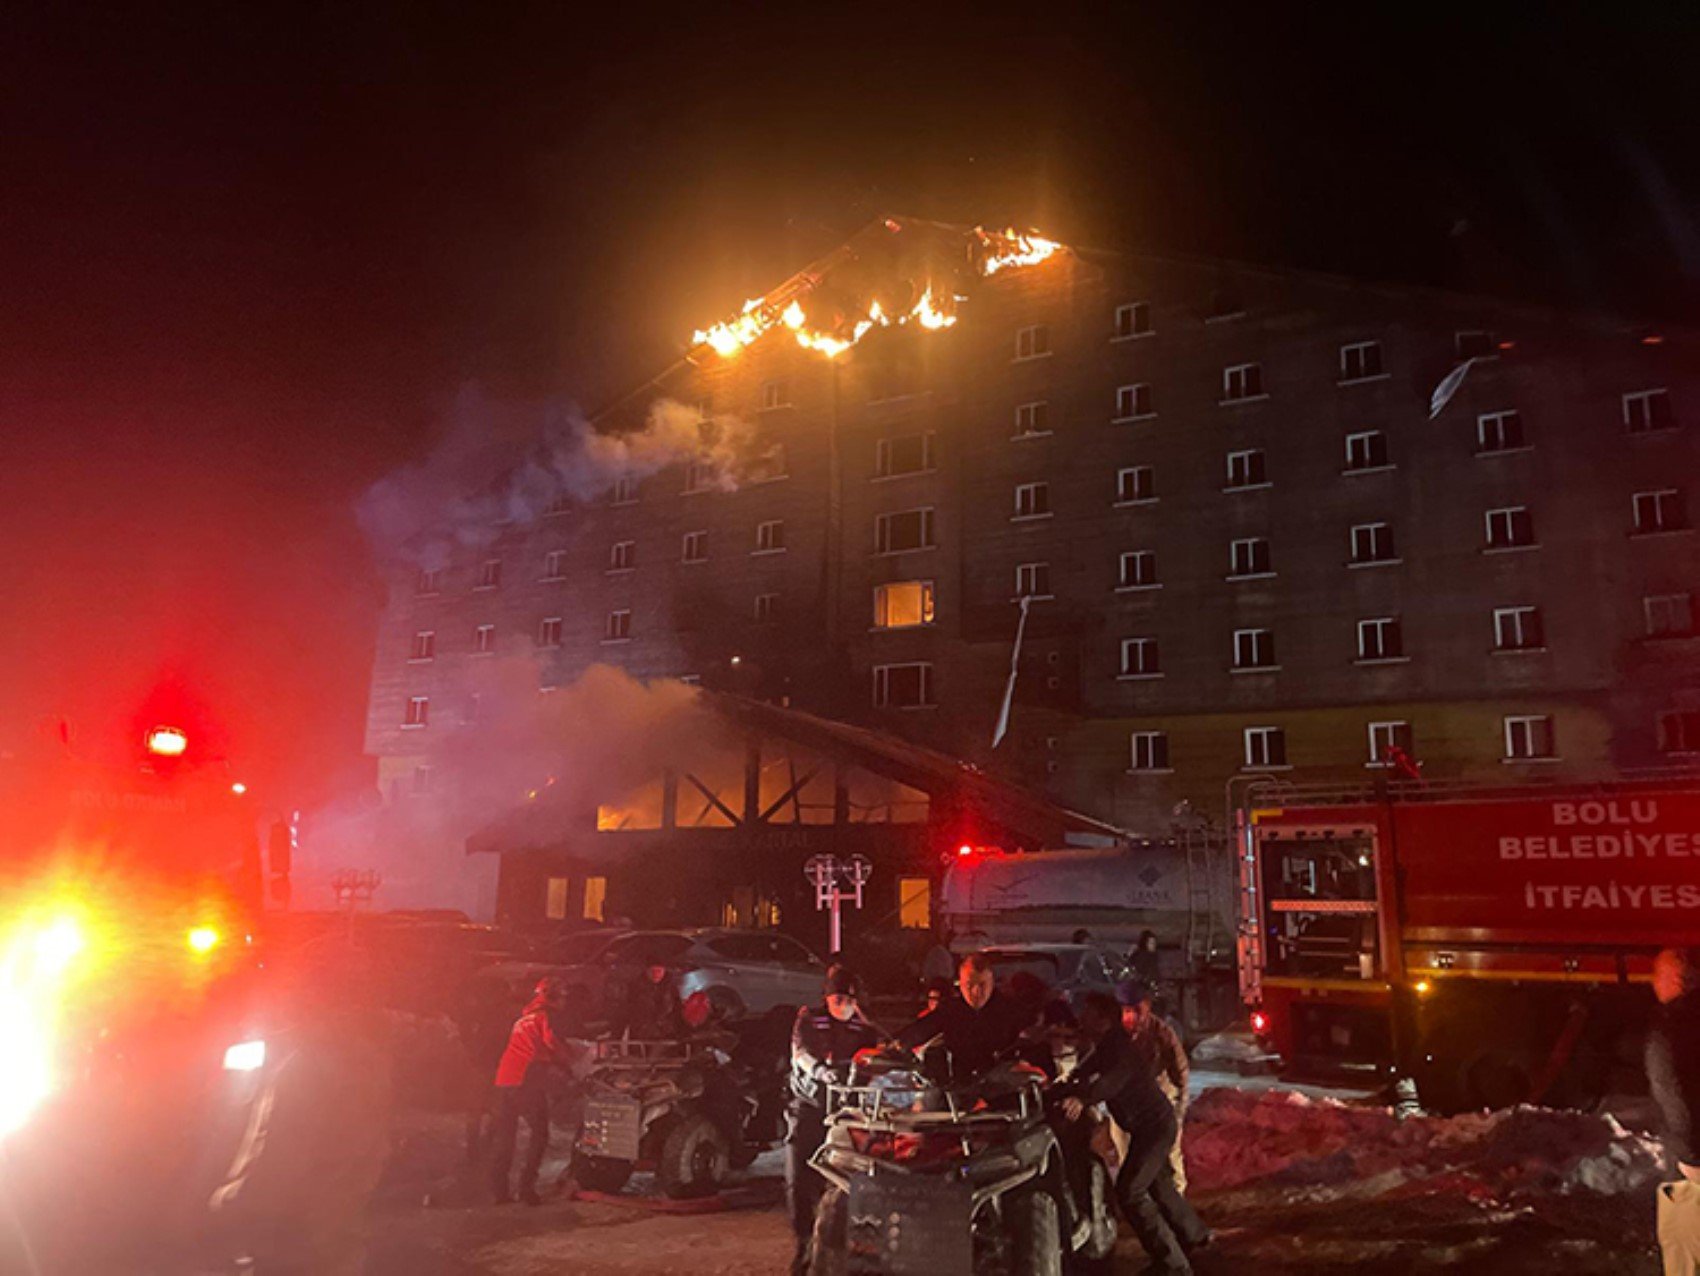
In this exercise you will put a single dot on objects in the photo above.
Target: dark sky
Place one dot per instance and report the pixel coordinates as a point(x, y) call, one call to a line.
point(247, 254)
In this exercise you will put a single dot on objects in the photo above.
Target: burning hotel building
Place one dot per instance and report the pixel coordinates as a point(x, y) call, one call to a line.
point(1226, 520)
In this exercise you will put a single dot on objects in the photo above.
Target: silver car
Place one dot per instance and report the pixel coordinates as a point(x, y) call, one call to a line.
point(748, 972)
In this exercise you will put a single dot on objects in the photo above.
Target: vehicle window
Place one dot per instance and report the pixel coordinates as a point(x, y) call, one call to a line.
point(791, 952)
point(1041, 965)
point(1091, 968)
point(575, 950)
point(739, 947)
point(646, 950)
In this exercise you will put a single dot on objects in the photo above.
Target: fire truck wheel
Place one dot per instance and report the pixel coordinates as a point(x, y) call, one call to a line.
point(1498, 1078)
point(1035, 1233)
point(827, 1256)
point(694, 1158)
point(601, 1173)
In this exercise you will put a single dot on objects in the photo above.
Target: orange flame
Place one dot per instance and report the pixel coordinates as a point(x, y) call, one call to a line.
point(1007, 249)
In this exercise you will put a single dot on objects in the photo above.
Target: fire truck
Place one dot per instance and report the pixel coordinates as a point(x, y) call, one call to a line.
point(150, 1063)
point(1492, 944)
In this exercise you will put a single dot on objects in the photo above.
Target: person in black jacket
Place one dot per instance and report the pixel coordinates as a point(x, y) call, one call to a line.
point(1115, 1074)
point(976, 1026)
point(824, 1039)
point(1673, 1072)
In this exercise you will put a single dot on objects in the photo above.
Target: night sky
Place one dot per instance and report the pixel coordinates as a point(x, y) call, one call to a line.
point(247, 255)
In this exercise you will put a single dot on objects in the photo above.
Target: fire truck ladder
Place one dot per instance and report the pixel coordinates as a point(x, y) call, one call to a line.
point(1198, 844)
point(1243, 795)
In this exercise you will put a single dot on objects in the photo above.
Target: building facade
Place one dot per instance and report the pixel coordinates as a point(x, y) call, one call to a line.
point(1242, 540)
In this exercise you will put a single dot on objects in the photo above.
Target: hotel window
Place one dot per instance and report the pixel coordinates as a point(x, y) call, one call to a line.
point(1247, 469)
point(694, 547)
point(1136, 483)
point(555, 898)
point(1518, 629)
point(1385, 737)
point(1033, 342)
point(1032, 500)
point(1265, 747)
point(915, 903)
point(1138, 570)
point(624, 491)
point(418, 712)
point(767, 464)
point(1661, 511)
point(1250, 557)
point(1380, 638)
point(1528, 737)
point(1372, 543)
point(911, 454)
point(595, 898)
point(1668, 615)
point(555, 565)
point(1473, 344)
point(1150, 751)
point(618, 627)
point(1242, 381)
point(622, 556)
point(770, 537)
point(1033, 580)
point(904, 530)
point(549, 632)
point(907, 686)
point(1140, 658)
point(1360, 361)
point(1499, 432)
point(767, 607)
point(1133, 402)
point(1366, 450)
point(903, 604)
point(489, 574)
point(428, 582)
point(1510, 528)
point(558, 507)
point(700, 476)
point(1032, 418)
point(1254, 649)
point(1679, 731)
point(775, 394)
point(1133, 319)
point(424, 646)
point(483, 640)
point(1645, 411)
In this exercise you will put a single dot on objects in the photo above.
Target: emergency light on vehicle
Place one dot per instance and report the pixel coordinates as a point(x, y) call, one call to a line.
point(167, 742)
point(1259, 1021)
point(245, 1056)
point(203, 939)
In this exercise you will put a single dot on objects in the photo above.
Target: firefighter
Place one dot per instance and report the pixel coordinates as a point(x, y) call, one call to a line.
point(1673, 1073)
point(1114, 1074)
point(824, 1039)
point(522, 1080)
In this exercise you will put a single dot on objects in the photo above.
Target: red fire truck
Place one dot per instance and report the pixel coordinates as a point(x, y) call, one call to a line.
point(1492, 944)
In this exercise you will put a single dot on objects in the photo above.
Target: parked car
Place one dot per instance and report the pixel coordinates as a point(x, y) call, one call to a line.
point(746, 972)
point(1063, 968)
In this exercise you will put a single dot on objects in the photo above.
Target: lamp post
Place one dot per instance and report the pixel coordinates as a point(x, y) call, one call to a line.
point(836, 882)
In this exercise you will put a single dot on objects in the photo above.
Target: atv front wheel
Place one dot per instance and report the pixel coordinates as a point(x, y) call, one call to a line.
point(1035, 1233)
point(694, 1158)
point(827, 1252)
point(601, 1173)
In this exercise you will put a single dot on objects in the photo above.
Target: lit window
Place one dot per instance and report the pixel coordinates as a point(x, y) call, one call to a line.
point(1140, 658)
point(775, 394)
point(1499, 431)
point(1387, 737)
point(767, 607)
point(622, 556)
point(770, 537)
point(549, 632)
point(1032, 500)
point(694, 547)
point(1133, 402)
point(1360, 361)
point(489, 574)
point(1133, 319)
point(1669, 615)
point(1380, 638)
point(1250, 557)
point(907, 686)
point(618, 627)
point(483, 640)
point(1242, 381)
point(1247, 469)
point(1510, 528)
point(1528, 738)
point(1518, 629)
point(1136, 483)
point(1645, 411)
point(1254, 649)
point(418, 712)
point(1033, 342)
point(555, 898)
point(904, 530)
point(1265, 747)
point(1032, 418)
point(1138, 570)
point(1661, 511)
point(555, 565)
point(424, 646)
point(1033, 580)
point(1679, 731)
point(915, 903)
point(903, 604)
point(1366, 450)
point(428, 582)
point(911, 454)
point(1150, 751)
point(595, 898)
point(1372, 543)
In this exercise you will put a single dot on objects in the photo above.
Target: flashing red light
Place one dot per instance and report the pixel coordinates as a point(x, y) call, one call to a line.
point(1259, 1021)
point(1507, 345)
point(964, 851)
point(167, 742)
point(1652, 339)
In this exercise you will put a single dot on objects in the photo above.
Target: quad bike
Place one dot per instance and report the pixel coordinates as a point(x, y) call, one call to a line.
point(692, 1108)
point(959, 1179)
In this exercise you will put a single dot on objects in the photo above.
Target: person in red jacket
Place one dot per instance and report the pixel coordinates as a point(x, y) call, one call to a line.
point(522, 1091)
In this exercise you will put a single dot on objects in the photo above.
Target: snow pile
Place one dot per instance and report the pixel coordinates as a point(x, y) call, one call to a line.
point(1321, 1148)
